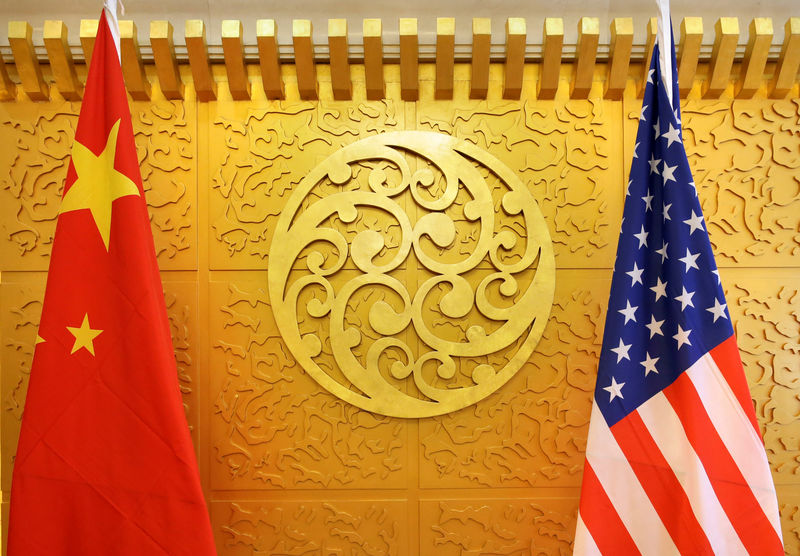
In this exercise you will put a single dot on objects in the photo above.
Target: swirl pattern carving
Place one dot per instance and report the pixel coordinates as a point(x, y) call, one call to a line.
point(329, 264)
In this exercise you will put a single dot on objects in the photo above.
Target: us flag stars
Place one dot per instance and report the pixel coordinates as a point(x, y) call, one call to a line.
point(660, 295)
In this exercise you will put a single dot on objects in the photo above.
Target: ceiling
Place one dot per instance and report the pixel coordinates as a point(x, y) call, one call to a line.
point(319, 11)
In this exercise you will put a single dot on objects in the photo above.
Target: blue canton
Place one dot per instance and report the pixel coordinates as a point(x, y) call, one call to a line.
point(667, 308)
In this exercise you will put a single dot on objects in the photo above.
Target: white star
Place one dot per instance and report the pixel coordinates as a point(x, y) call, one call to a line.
point(663, 251)
point(628, 188)
point(615, 390)
point(654, 162)
point(636, 146)
point(642, 237)
point(718, 310)
point(690, 260)
point(677, 117)
point(682, 336)
point(666, 212)
point(660, 289)
point(622, 351)
point(668, 173)
point(650, 75)
point(649, 364)
point(672, 135)
point(686, 299)
point(648, 200)
point(656, 126)
point(641, 116)
point(691, 183)
point(655, 326)
point(715, 271)
point(629, 312)
point(635, 274)
point(695, 222)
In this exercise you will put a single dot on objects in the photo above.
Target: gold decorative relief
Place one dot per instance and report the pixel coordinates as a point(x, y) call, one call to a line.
point(259, 156)
point(417, 184)
point(37, 143)
point(21, 306)
point(181, 302)
point(165, 133)
point(790, 523)
point(766, 317)
point(563, 152)
point(497, 527)
point(272, 426)
point(331, 528)
point(532, 432)
point(745, 161)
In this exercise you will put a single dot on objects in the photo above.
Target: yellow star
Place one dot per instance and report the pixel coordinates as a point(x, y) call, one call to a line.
point(84, 335)
point(98, 183)
point(39, 340)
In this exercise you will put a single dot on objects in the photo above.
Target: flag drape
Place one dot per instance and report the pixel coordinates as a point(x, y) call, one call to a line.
point(674, 461)
point(105, 463)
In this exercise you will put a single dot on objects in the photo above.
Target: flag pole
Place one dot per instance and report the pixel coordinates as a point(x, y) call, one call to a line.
point(110, 8)
point(664, 41)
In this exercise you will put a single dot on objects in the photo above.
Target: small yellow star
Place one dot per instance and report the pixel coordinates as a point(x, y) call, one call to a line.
point(39, 340)
point(98, 184)
point(84, 335)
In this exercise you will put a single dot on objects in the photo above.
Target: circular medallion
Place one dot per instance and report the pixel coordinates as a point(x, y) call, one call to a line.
point(411, 274)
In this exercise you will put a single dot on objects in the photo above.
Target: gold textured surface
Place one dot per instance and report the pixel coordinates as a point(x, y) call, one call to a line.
point(288, 467)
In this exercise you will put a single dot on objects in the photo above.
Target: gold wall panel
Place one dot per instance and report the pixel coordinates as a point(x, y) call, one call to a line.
point(262, 149)
point(21, 306)
point(562, 149)
point(165, 132)
point(789, 506)
point(331, 528)
point(531, 432)
point(180, 295)
point(272, 427)
point(37, 139)
point(289, 468)
point(480, 526)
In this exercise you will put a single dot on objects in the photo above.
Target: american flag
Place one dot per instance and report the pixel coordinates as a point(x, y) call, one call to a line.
point(674, 462)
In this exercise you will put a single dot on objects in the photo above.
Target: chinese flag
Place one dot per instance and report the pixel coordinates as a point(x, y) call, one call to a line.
point(105, 464)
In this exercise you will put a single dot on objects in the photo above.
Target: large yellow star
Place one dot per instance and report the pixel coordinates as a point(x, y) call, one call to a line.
point(84, 335)
point(98, 183)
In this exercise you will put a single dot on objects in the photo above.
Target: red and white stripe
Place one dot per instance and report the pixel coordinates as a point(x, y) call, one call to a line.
point(684, 473)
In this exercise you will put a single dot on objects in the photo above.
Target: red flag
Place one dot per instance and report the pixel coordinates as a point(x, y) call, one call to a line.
point(105, 464)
